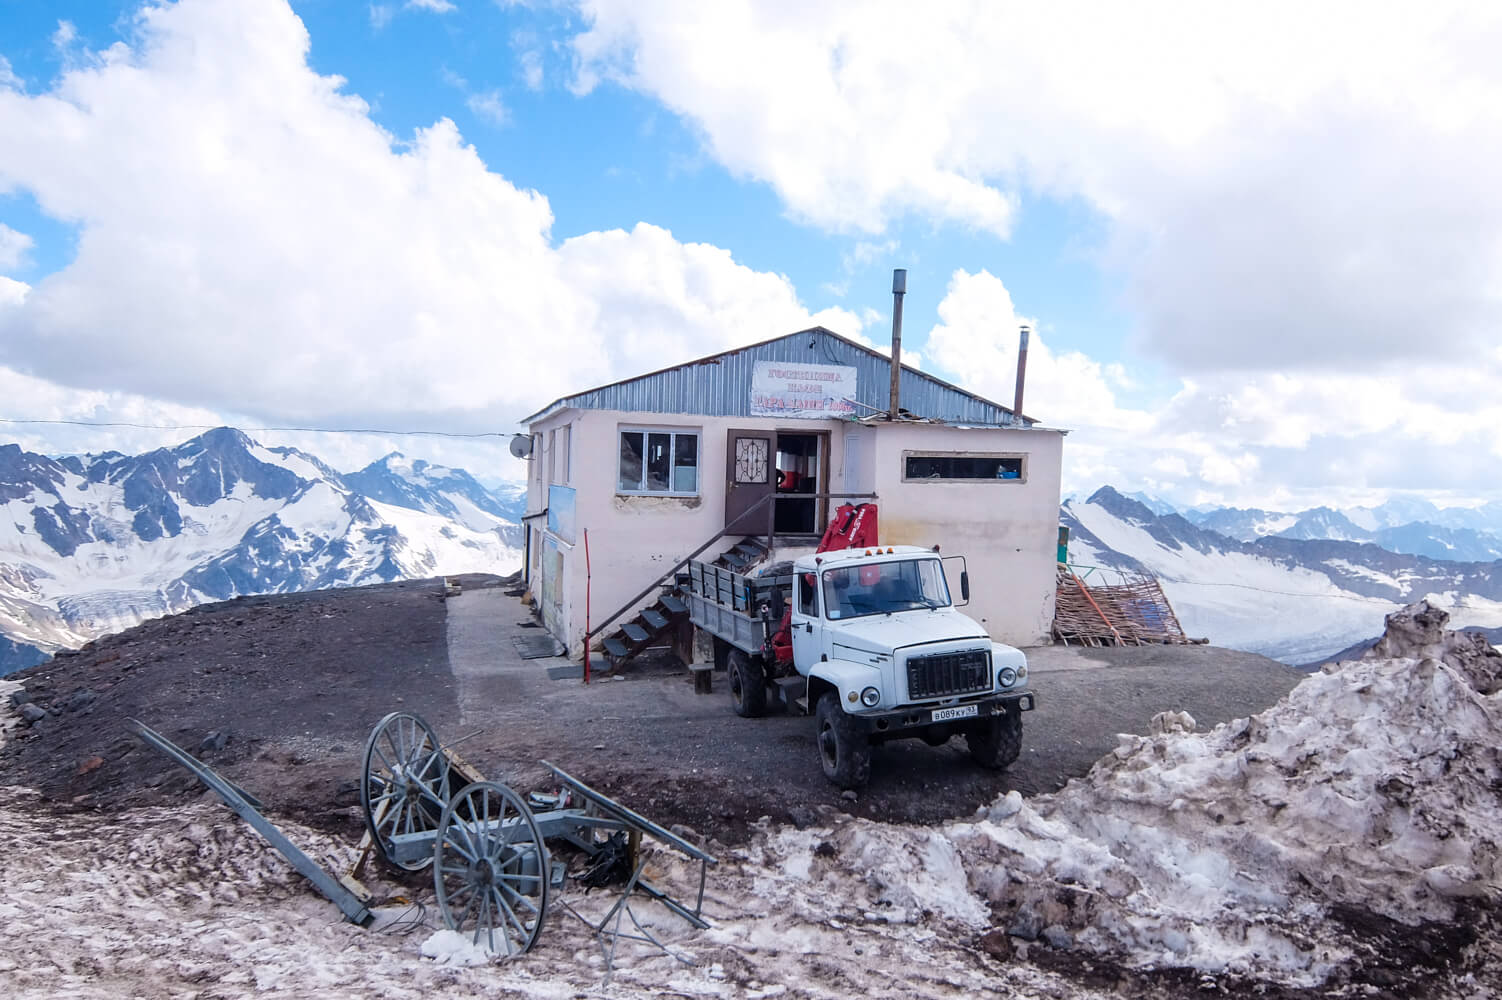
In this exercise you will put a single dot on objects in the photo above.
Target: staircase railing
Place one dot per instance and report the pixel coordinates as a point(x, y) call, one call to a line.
point(768, 501)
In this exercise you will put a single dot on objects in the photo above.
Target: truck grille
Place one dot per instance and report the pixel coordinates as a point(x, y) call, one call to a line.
point(945, 674)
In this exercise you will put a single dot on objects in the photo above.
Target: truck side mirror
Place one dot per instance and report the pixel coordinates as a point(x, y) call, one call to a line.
point(779, 604)
point(965, 584)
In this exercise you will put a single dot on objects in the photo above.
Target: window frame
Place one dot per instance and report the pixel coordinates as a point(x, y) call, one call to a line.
point(696, 433)
point(1020, 457)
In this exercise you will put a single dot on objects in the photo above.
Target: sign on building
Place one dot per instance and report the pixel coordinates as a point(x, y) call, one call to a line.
point(791, 389)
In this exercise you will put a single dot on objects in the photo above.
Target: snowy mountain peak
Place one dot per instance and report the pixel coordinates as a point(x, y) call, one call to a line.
point(1155, 504)
point(436, 489)
point(1326, 523)
point(94, 543)
point(1122, 506)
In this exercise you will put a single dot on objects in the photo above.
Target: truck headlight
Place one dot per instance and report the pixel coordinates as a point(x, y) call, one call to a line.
point(870, 697)
point(1006, 677)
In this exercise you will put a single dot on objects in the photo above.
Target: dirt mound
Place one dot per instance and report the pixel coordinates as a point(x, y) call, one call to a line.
point(289, 684)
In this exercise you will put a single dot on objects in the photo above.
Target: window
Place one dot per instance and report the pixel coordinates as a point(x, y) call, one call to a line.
point(961, 467)
point(751, 459)
point(883, 588)
point(654, 461)
point(807, 595)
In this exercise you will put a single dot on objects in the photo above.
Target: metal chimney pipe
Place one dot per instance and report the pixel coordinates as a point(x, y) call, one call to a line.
point(899, 289)
point(1021, 375)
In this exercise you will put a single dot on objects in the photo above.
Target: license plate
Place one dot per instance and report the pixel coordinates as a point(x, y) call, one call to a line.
point(960, 712)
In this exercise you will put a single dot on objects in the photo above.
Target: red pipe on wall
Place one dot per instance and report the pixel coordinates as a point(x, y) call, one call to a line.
point(586, 605)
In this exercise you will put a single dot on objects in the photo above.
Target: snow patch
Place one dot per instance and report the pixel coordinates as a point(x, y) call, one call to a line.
point(448, 947)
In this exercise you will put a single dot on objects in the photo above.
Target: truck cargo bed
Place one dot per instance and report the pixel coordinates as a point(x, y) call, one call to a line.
point(728, 605)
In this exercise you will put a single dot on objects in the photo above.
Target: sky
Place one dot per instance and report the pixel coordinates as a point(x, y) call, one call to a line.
point(1260, 245)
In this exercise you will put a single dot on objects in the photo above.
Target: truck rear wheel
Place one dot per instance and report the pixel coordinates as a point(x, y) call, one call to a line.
point(748, 685)
point(843, 748)
point(997, 741)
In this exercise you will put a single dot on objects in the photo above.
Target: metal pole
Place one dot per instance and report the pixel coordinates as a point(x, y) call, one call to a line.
point(899, 289)
point(1021, 375)
point(587, 632)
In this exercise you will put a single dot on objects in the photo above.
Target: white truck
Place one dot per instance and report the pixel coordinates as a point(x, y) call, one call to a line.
point(871, 643)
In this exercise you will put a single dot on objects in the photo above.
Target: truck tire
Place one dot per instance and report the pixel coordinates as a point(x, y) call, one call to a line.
point(843, 748)
point(997, 741)
point(748, 685)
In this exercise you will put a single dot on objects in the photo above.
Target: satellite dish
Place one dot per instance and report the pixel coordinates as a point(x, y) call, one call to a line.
point(521, 446)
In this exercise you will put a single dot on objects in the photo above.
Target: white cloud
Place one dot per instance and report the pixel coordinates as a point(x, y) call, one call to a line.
point(530, 61)
point(435, 6)
point(79, 421)
point(250, 241)
point(489, 106)
point(12, 292)
point(1271, 439)
point(381, 15)
point(14, 247)
point(65, 35)
point(1322, 198)
point(8, 78)
point(976, 339)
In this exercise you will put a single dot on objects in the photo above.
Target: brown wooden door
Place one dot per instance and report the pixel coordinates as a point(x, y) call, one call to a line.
point(750, 475)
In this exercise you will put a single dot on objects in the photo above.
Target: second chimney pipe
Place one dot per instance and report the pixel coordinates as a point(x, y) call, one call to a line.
point(899, 289)
point(1021, 375)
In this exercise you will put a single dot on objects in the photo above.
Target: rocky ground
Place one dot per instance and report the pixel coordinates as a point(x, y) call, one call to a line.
point(280, 692)
point(138, 883)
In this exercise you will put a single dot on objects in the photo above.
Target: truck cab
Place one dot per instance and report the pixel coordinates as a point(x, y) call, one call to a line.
point(887, 654)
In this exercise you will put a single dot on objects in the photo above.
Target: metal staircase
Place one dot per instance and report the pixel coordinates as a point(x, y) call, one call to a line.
point(743, 555)
point(647, 629)
point(655, 624)
point(650, 625)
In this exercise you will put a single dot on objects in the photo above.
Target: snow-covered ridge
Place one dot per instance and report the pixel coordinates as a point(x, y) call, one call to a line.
point(1370, 788)
point(96, 543)
point(1295, 600)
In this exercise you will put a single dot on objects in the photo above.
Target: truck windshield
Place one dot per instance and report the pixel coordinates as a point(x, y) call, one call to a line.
point(881, 588)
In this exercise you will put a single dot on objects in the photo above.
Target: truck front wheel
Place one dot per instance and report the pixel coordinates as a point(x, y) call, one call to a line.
point(748, 685)
point(843, 748)
point(997, 741)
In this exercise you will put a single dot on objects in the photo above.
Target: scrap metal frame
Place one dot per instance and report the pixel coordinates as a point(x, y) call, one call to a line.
point(609, 926)
point(355, 908)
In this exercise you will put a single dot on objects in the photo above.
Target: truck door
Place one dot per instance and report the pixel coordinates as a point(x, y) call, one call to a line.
point(808, 633)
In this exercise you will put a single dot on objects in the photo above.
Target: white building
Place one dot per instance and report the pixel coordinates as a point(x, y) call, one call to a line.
point(644, 471)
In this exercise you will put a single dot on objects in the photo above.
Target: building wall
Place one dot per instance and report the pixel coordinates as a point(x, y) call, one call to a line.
point(635, 539)
point(1007, 530)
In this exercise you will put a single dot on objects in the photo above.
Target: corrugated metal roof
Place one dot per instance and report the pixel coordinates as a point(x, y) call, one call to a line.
point(720, 385)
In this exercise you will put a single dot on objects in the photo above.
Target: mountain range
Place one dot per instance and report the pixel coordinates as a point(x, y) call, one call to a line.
point(1288, 594)
point(1403, 524)
point(91, 544)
